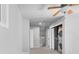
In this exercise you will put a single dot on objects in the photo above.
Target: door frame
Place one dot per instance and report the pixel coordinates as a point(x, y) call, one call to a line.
point(63, 26)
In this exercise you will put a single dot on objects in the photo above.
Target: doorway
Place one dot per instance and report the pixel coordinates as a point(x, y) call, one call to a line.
point(38, 41)
point(58, 38)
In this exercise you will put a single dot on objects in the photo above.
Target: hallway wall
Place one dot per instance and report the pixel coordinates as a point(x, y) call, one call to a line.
point(0, 12)
point(71, 32)
point(26, 35)
point(11, 38)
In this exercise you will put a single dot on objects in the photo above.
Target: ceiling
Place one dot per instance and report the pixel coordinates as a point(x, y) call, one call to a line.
point(34, 10)
point(37, 13)
point(45, 22)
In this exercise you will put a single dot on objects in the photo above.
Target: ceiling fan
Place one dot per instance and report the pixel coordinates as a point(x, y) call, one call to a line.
point(61, 6)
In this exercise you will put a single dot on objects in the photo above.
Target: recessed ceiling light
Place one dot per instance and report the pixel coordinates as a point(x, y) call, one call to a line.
point(40, 23)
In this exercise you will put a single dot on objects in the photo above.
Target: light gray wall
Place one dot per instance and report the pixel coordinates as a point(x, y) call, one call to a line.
point(11, 38)
point(71, 32)
point(0, 12)
point(26, 36)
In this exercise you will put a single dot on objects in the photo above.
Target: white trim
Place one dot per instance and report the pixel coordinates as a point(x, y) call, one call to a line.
point(58, 22)
point(6, 25)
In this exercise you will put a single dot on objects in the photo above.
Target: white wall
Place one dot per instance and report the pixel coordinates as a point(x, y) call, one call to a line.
point(0, 12)
point(26, 36)
point(71, 32)
point(11, 38)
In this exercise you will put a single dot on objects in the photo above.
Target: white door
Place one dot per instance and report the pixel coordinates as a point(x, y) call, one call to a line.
point(36, 37)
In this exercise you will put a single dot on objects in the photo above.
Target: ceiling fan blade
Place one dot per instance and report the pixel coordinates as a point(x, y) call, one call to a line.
point(56, 12)
point(54, 7)
point(73, 4)
point(61, 6)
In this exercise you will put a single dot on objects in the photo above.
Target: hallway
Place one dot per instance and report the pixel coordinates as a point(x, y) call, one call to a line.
point(39, 28)
point(42, 51)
